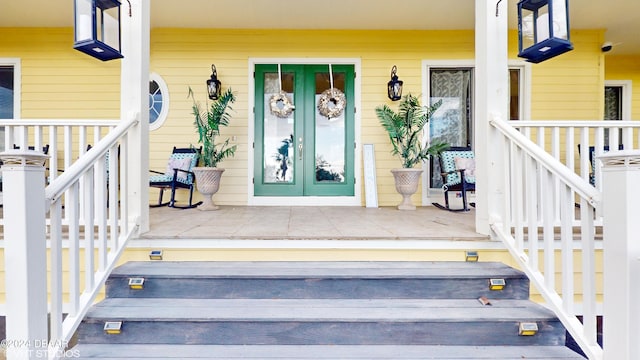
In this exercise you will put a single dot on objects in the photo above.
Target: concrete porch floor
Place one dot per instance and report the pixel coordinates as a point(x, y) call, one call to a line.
point(312, 223)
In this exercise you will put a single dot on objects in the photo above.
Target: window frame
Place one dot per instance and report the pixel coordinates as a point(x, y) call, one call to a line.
point(428, 193)
point(164, 112)
point(17, 95)
point(17, 85)
point(626, 97)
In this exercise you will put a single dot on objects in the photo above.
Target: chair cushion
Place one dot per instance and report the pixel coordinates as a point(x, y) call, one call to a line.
point(448, 164)
point(469, 166)
point(179, 163)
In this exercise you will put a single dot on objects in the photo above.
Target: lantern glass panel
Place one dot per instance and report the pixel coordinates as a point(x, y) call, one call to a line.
point(84, 23)
point(111, 27)
point(560, 23)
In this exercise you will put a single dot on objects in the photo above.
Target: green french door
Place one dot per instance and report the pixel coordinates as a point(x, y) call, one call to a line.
point(300, 152)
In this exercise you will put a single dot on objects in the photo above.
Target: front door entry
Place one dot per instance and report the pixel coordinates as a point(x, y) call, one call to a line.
point(298, 150)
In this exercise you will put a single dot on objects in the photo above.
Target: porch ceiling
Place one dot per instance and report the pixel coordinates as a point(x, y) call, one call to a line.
point(617, 17)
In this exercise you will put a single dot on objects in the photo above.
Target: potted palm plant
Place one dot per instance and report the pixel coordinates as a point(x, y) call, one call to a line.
point(405, 128)
point(208, 123)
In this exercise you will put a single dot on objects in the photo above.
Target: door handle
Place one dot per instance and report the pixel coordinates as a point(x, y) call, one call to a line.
point(300, 148)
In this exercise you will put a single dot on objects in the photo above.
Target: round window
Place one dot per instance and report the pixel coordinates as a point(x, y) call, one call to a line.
point(158, 101)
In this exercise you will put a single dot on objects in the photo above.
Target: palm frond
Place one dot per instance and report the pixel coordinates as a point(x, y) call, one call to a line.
point(208, 124)
point(405, 128)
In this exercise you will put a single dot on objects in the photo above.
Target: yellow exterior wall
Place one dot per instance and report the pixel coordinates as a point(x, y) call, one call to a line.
point(60, 82)
point(569, 86)
point(621, 67)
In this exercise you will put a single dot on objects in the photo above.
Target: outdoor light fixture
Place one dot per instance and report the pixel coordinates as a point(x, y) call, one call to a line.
point(527, 329)
point(136, 283)
point(471, 256)
point(394, 86)
point(543, 29)
point(113, 327)
point(155, 255)
point(497, 284)
point(97, 28)
point(214, 86)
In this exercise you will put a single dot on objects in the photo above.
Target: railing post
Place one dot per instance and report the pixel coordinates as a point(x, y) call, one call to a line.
point(491, 103)
point(23, 180)
point(134, 94)
point(621, 244)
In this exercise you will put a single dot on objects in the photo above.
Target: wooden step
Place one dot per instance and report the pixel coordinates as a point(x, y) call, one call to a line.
point(284, 352)
point(320, 322)
point(309, 280)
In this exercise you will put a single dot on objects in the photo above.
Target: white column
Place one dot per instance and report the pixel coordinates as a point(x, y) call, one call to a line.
point(135, 100)
point(23, 181)
point(621, 244)
point(491, 99)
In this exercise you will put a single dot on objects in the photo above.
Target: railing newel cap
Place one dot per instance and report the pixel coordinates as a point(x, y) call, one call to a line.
point(23, 157)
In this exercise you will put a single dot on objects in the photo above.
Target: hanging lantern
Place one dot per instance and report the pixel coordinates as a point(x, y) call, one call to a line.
point(214, 86)
point(543, 29)
point(394, 86)
point(97, 28)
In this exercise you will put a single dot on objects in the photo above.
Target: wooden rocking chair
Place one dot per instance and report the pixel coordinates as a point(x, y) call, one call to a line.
point(457, 165)
point(178, 175)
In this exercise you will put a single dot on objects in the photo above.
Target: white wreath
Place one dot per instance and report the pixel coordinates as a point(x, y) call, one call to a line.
point(331, 103)
point(280, 105)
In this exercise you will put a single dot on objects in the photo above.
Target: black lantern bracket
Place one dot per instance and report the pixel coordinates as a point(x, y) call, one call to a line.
point(214, 86)
point(394, 86)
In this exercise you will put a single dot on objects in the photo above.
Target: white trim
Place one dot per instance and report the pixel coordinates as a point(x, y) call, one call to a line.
point(627, 87)
point(17, 84)
point(525, 87)
point(164, 90)
point(17, 92)
point(328, 244)
point(433, 195)
point(356, 199)
point(319, 244)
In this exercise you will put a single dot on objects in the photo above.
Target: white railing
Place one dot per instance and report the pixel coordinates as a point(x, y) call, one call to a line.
point(566, 141)
point(541, 213)
point(88, 214)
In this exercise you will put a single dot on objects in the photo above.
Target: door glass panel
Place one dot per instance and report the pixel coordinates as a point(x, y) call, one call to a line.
point(451, 123)
point(6, 97)
point(278, 165)
point(6, 92)
point(612, 108)
point(514, 94)
point(329, 134)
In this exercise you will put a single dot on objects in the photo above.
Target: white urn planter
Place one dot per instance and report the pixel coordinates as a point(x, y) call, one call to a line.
point(407, 180)
point(208, 183)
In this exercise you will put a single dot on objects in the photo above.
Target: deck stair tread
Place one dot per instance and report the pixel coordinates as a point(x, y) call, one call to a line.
point(439, 269)
point(319, 310)
point(313, 352)
point(340, 310)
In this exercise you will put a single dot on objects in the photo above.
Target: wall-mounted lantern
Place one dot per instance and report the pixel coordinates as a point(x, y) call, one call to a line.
point(214, 86)
point(394, 86)
point(543, 29)
point(97, 28)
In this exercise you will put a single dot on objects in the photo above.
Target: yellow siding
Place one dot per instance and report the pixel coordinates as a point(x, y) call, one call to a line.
point(571, 86)
point(626, 68)
point(59, 82)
